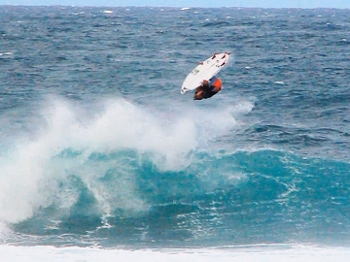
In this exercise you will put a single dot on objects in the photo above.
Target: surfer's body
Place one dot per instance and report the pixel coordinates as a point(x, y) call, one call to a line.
point(208, 88)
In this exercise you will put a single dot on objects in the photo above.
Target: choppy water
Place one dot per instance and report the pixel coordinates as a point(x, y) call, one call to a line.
point(98, 147)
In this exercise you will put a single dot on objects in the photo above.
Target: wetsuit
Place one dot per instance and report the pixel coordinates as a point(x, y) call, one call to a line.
point(213, 87)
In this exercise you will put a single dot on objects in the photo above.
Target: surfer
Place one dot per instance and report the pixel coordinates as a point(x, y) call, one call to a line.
point(208, 88)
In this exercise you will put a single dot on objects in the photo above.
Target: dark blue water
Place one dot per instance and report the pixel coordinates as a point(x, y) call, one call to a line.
point(98, 147)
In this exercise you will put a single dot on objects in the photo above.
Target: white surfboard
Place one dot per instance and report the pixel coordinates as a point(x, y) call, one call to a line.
point(205, 70)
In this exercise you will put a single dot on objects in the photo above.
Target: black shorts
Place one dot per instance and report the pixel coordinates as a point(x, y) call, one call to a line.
point(208, 93)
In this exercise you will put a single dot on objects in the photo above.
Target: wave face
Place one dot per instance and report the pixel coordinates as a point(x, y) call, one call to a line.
point(123, 198)
point(98, 147)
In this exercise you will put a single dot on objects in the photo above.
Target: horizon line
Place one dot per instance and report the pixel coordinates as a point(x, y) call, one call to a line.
point(184, 7)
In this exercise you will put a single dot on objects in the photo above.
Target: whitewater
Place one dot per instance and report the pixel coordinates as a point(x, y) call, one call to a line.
point(102, 158)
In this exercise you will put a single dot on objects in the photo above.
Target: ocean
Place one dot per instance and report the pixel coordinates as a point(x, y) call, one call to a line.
point(102, 158)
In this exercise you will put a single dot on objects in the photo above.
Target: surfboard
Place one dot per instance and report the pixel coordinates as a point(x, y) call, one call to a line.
point(205, 70)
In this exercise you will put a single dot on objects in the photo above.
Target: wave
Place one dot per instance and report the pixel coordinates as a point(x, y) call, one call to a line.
point(131, 175)
point(71, 147)
point(124, 198)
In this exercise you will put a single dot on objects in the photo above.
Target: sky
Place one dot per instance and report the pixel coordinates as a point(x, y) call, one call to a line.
point(190, 3)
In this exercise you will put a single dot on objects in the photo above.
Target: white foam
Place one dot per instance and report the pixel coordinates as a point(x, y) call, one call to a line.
point(31, 173)
point(251, 254)
point(3, 230)
point(125, 126)
point(279, 83)
point(6, 54)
